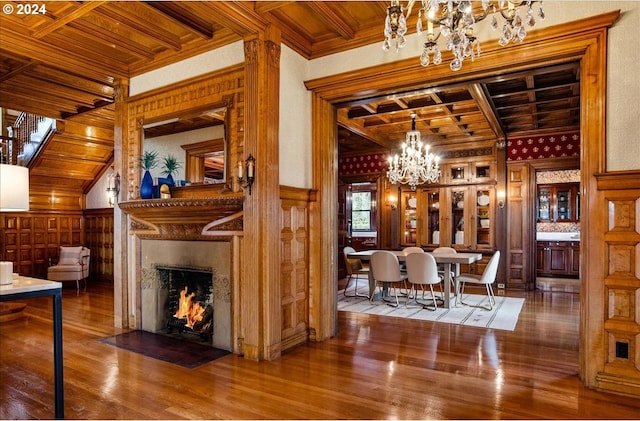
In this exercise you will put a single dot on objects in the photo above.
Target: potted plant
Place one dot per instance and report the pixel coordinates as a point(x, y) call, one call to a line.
point(484, 220)
point(148, 161)
point(170, 167)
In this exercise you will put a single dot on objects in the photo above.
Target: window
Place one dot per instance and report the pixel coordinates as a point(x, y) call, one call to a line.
point(361, 211)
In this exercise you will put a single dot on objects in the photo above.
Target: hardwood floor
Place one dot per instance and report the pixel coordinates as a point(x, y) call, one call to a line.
point(375, 368)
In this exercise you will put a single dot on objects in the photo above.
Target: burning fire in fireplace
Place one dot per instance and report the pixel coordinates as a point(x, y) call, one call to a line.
point(188, 309)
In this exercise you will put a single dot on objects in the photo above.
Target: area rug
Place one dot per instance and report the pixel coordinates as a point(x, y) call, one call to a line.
point(503, 316)
point(166, 348)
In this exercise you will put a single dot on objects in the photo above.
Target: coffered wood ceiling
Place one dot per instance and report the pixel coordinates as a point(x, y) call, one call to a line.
point(65, 63)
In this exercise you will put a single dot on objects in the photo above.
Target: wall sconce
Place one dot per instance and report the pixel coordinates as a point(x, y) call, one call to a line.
point(501, 196)
point(392, 201)
point(14, 188)
point(250, 166)
point(113, 187)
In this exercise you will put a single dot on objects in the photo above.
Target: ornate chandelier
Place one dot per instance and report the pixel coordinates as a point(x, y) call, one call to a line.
point(414, 167)
point(454, 21)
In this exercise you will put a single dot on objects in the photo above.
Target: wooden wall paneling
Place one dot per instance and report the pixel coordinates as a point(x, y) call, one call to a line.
point(519, 260)
point(31, 239)
point(294, 283)
point(620, 212)
point(100, 239)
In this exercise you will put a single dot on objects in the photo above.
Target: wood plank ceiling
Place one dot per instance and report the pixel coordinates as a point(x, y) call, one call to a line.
point(65, 63)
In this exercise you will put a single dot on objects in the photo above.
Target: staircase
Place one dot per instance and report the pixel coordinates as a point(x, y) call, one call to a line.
point(25, 137)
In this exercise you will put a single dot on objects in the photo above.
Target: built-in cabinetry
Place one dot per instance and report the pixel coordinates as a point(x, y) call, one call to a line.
point(456, 215)
point(558, 203)
point(558, 258)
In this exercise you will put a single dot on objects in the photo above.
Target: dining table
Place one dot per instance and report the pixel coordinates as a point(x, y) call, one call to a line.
point(446, 259)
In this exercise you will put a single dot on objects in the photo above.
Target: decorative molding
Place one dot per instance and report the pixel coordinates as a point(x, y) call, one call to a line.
point(251, 51)
point(185, 218)
point(465, 153)
point(619, 180)
point(273, 53)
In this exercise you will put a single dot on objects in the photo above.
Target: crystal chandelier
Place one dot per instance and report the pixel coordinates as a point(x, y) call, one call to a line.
point(414, 167)
point(454, 21)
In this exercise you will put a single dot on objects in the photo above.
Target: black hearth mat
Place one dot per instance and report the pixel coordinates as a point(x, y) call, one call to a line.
point(185, 353)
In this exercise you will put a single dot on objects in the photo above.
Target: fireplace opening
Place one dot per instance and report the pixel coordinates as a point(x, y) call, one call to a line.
point(189, 307)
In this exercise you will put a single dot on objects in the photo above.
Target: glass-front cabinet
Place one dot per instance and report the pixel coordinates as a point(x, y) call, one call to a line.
point(558, 202)
point(455, 216)
point(484, 212)
point(433, 217)
point(409, 216)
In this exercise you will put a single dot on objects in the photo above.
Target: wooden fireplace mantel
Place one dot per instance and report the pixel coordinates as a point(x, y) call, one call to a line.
point(185, 218)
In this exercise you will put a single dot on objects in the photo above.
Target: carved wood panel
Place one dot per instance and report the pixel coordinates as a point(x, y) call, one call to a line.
point(294, 240)
point(622, 287)
point(518, 263)
point(99, 239)
point(30, 240)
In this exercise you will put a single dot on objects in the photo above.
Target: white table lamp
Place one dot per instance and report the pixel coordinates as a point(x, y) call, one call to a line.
point(14, 188)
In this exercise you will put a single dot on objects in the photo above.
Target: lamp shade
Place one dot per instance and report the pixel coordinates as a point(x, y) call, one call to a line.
point(14, 188)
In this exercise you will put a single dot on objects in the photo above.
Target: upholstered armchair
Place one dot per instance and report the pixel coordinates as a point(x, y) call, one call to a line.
point(73, 265)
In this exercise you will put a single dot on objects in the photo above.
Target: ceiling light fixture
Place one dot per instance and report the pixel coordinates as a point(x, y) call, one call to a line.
point(454, 20)
point(414, 167)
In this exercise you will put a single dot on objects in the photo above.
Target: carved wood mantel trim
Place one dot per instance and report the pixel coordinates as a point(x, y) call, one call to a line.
point(186, 218)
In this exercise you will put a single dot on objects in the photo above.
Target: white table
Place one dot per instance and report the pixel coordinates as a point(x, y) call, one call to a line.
point(447, 259)
point(25, 287)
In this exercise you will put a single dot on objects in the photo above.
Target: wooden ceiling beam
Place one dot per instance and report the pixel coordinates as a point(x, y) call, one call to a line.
point(238, 17)
point(332, 19)
point(545, 102)
point(100, 34)
point(142, 27)
point(18, 71)
point(60, 58)
point(61, 21)
point(267, 6)
point(183, 17)
point(487, 108)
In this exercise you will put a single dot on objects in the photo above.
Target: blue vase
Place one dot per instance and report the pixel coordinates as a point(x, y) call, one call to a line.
point(170, 180)
point(146, 186)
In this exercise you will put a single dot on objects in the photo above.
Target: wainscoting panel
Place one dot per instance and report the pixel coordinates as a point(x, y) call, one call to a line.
point(621, 336)
point(31, 240)
point(294, 279)
point(99, 239)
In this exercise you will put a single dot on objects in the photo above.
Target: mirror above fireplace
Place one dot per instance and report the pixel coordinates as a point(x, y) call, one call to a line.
point(197, 140)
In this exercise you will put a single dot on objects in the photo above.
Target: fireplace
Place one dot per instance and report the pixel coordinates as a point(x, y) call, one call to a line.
point(186, 294)
point(197, 271)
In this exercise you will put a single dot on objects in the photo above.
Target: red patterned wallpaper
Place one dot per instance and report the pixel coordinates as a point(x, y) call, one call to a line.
point(541, 147)
point(363, 164)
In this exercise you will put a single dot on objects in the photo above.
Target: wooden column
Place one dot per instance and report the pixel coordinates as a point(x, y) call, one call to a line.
point(260, 286)
point(323, 220)
point(120, 244)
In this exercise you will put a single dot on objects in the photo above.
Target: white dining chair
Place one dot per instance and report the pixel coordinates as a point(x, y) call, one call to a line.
point(386, 273)
point(354, 268)
point(422, 270)
point(454, 271)
point(487, 278)
point(412, 249)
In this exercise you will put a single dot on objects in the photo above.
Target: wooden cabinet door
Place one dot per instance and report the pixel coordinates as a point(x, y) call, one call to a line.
point(542, 258)
point(559, 258)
